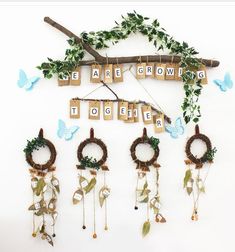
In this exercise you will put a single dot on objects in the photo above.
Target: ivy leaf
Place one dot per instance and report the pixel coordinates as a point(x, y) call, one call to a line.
point(90, 185)
point(187, 177)
point(146, 228)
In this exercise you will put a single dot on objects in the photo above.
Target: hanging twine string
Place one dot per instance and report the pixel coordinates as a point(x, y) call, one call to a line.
point(147, 204)
point(105, 205)
point(136, 192)
point(147, 92)
point(83, 208)
point(94, 215)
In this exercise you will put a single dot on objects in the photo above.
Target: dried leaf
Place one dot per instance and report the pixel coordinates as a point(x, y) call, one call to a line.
point(55, 183)
point(101, 201)
point(144, 188)
point(49, 239)
point(187, 177)
point(104, 168)
point(34, 182)
point(83, 182)
point(54, 216)
point(40, 186)
point(189, 190)
point(37, 206)
point(52, 205)
point(41, 211)
point(188, 162)
point(77, 196)
point(146, 228)
point(156, 165)
point(202, 189)
point(160, 218)
point(103, 195)
point(92, 172)
point(90, 185)
point(145, 200)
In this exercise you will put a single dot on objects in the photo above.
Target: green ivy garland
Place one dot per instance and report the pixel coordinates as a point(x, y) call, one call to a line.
point(154, 142)
point(210, 155)
point(89, 162)
point(34, 144)
point(133, 23)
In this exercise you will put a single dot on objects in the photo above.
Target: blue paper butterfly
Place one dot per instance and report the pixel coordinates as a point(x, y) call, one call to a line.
point(24, 81)
point(226, 84)
point(64, 132)
point(177, 130)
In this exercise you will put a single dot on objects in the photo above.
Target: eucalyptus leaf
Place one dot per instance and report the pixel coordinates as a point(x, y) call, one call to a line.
point(189, 190)
point(34, 182)
point(90, 185)
point(187, 177)
point(146, 228)
point(77, 196)
point(56, 184)
point(40, 186)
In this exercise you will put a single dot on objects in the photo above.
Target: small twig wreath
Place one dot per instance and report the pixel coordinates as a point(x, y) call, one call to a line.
point(205, 157)
point(89, 162)
point(153, 142)
point(35, 144)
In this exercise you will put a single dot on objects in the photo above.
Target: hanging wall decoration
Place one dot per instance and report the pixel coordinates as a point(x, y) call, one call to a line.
point(197, 172)
point(127, 111)
point(89, 165)
point(45, 188)
point(181, 64)
point(143, 192)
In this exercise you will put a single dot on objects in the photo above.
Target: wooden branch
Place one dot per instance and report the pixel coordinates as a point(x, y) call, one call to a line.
point(99, 59)
point(167, 119)
point(61, 28)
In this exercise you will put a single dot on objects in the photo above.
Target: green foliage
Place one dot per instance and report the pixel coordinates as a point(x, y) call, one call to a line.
point(89, 162)
point(34, 144)
point(211, 154)
point(63, 68)
point(135, 23)
point(154, 142)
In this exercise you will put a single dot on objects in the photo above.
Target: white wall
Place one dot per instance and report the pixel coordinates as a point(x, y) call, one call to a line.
point(25, 42)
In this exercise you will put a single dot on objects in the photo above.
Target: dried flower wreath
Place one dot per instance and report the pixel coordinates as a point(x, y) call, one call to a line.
point(142, 193)
point(45, 187)
point(194, 183)
point(87, 185)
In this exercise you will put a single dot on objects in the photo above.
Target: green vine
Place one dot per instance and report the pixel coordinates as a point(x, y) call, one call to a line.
point(89, 162)
point(34, 144)
point(211, 154)
point(135, 23)
point(63, 68)
point(154, 142)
